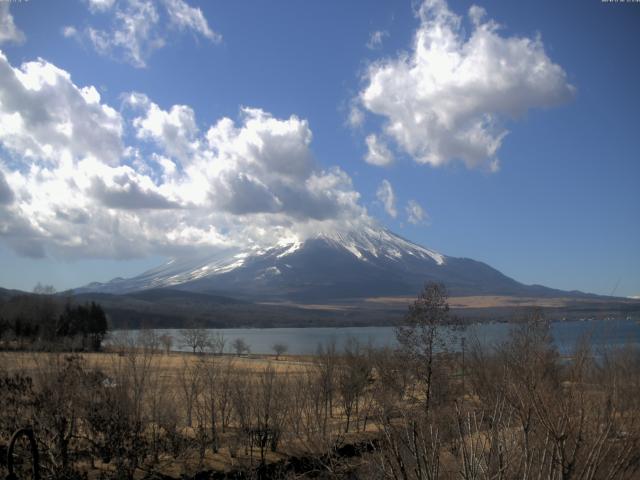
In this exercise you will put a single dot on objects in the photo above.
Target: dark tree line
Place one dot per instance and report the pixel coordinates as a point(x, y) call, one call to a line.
point(47, 321)
point(87, 321)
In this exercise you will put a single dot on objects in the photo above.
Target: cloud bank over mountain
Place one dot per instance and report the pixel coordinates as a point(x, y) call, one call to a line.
point(82, 178)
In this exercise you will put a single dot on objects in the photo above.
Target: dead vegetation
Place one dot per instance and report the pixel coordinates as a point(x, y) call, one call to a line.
point(514, 411)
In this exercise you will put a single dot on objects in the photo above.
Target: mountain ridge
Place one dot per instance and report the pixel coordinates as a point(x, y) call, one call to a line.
point(330, 266)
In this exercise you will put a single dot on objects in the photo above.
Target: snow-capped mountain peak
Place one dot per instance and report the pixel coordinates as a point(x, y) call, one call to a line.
point(379, 243)
point(329, 265)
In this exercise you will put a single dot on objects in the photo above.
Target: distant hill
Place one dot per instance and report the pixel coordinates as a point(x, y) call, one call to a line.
point(170, 308)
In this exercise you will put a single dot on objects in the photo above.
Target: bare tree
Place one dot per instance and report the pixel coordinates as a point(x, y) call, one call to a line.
point(243, 406)
point(270, 410)
point(311, 405)
point(148, 340)
point(409, 447)
point(122, 341)
point(167, 342)
point(539, 417)
point(217, 343)
point(196, 338)
point(326, 362)
point(214, 399)
point(190, 382)
point(57, 403)
point(420, 336)
point(353, 377)
point(279, 348)
point(240, 346)
point(160, 409)
point(223, 397)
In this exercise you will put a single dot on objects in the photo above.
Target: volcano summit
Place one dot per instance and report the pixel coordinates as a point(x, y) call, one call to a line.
point(326, 267)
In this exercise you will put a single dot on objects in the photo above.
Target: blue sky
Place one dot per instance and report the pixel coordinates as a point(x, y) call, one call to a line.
point(546, 188)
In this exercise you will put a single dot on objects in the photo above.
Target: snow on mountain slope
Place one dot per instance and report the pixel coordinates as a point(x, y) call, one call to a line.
point(378, 243)
point(332, 265)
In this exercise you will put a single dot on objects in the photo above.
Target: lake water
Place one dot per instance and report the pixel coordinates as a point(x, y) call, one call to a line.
point(602, 334)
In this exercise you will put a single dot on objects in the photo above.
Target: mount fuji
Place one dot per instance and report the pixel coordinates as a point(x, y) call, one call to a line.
point(336, 266)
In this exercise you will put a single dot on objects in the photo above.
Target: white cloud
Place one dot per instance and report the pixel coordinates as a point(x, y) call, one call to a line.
point(415, 213)
point(134, 34)
point(377, 152)
point(101, 5)
point(174, 130)
point(71, 186)
point(69, 32)
point(139, 27)
point(376, 38)
point(446, 99)
point(356, 116)
point(264, 165)
point(186, 17)
point(44, 116)
point(8, 30)
point(386, 195)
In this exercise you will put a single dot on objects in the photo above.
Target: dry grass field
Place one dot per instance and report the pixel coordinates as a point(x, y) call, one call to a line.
point(168, 365)
point(518, 410)
point(502, 301)
point(183, 394)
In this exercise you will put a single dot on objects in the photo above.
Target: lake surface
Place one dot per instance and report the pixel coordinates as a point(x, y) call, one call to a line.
point(602, 334)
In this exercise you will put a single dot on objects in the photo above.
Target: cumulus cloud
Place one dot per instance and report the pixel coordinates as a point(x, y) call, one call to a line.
point(71, 185)
point(126, 190)
point(44, 116)
point(415, 213)
point(8, 30)
point(376, 38)
point(264, 165)
point(447, 99)
point(174, 131)
point(387, 197)
point(139, 27)
point(377, 152)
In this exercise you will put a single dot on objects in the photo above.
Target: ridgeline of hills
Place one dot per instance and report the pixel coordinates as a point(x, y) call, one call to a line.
point(170, 308)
